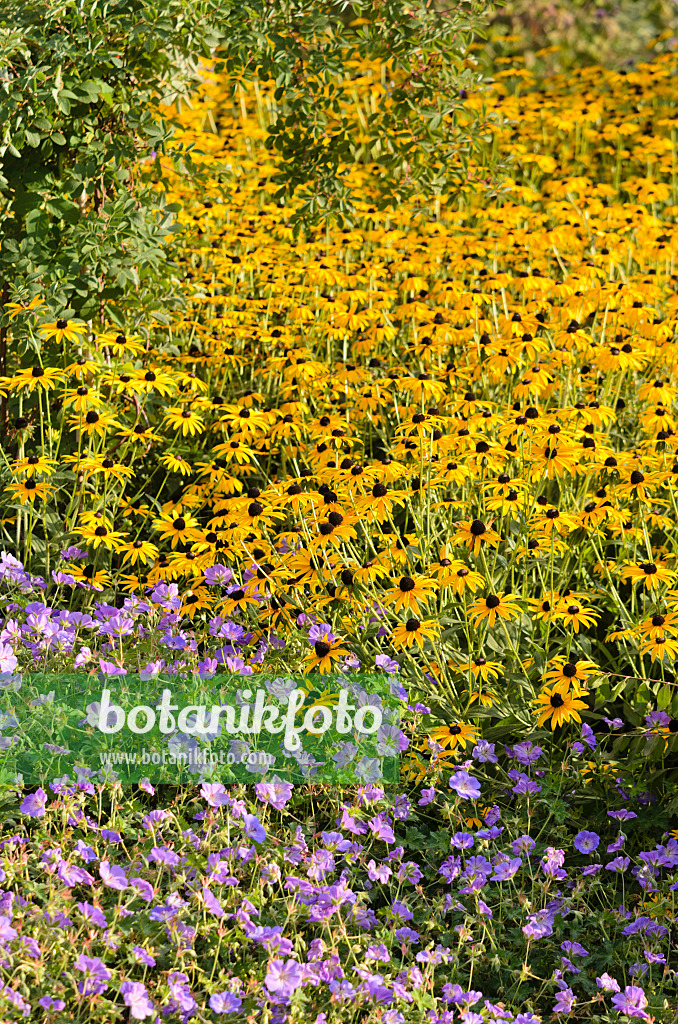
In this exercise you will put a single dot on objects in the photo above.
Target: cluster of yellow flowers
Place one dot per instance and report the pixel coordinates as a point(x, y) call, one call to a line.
point(447, 432)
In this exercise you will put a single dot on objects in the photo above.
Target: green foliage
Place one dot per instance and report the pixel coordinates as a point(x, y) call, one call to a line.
point(84, 95)
point(79, 105)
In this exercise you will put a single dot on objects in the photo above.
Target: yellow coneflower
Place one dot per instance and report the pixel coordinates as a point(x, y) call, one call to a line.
point(186, 420)
point(414, 631)
point(652, 574)
point(136, 551)
point(559, 704)
point(43, 377)
point(101, 534)
point(458, 735)
point(176, 527)
point(475, 533)
point(26, 491)
point(325, 653)
point(502, 605)
point(409, 592)
point(36, 305)
point(62, 330)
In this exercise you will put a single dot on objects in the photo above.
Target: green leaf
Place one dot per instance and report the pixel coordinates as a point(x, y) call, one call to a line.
point(37, 223)
point(64, 209)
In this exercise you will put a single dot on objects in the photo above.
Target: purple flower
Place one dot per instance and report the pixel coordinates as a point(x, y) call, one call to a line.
point(216, 575)
point(96, 975)
point(586, 842)
point(565, 1000)
point(552, 863)
point(114, 877)
point(379, 824)
point(525, 753)
point(618, 864)
point(506, 869)
point(212, 903)
point(618, 844)
point(214, 793)
point(94, 914)
point(465, 786)
point(283, 977)
point(622, 814)
point(523, 845)
point(631, 1002)
point(142, 956)
point(151, 670)
point(540, 924)
point(7, 933)
point(588, 737)
point(573, 948)
point(34, 804)
point(484, 752)
point(607, 984)
point(109, 668)
point(385, 663)
point(253, 828)
point(48, 1003)
point(427, 796)
point(378, 872)
point(136, 997)
point(524, 785)
point(276, 793)
point(225, 1002)
point(144, 888)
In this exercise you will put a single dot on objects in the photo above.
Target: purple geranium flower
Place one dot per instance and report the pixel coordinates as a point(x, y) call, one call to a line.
point(465, 785)
point(96, 975)
point(136, 997)
point(225, 1002)
point(586, 842)
point(114, 877)
point(631, 1002)
point(34, 804)
point(283, 977)
point(253, 828)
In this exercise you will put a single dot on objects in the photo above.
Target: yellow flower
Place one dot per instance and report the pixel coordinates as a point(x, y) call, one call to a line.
point(652, 574)
point(574, 615)
point(325, 653)
point(36, 305)
point(68, 330)
point(101, 534)
point(41, 377)
point(176, 463)
point(458, 735)
point(136, 551)
point(93, 422)
point(409, 592)
point(474, 533)
point(502, 605)
point(28, 490)
point(560, 704)
point(570, 673)
point(185, 420)
point(414, 631)
point(660, 647)
point(176, 527)
point(33, 464)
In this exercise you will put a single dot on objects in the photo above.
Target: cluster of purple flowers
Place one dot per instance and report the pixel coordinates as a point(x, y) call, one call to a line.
point(162, 883)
